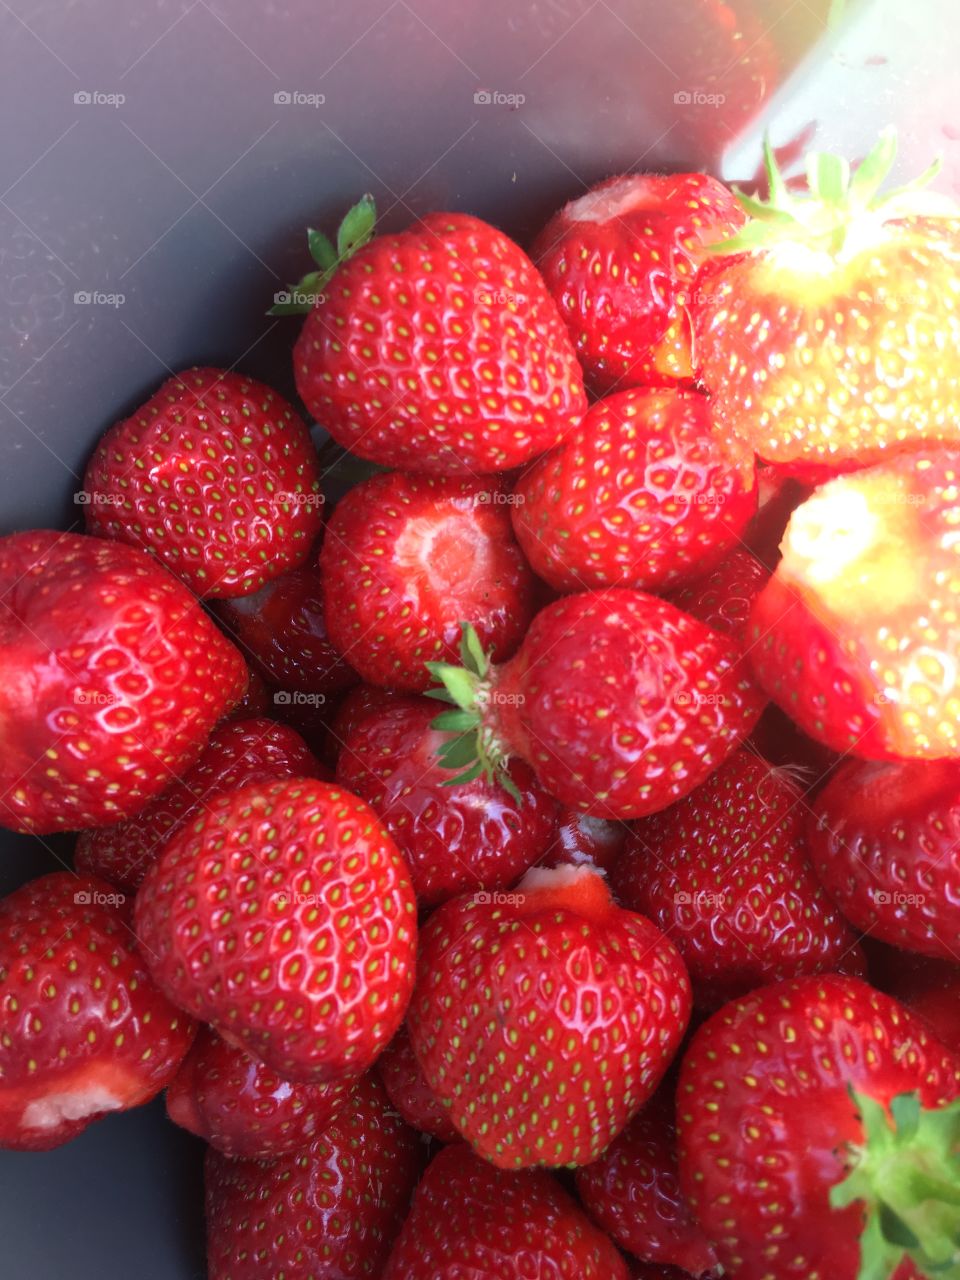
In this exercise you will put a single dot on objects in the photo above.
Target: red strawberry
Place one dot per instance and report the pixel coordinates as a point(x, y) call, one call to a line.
point(409, 1092)
point(255, 702)
point(83, 1029)
point(438, 350)
point(469, 1219)
point(329, 1212)
point(813, 335)
point(619, 702)
point(238, 752)
point(545, 1018)
point(884, 839)
point(243, 1108)
point(723, 599)
point(725, 874)
point(217, 476)
point(621, 262)
point(474, 836)
point(581, 838)
point(787, 1156)
point(284, 916)
point(405, 559)
point(856, 633)
point(632, 1192)
point(281, 630)
point(930, 988)
point(643, 494)
point(112, 679)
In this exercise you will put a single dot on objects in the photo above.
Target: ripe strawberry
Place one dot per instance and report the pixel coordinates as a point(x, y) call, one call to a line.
point(282, 632)
point(217, 476)
point(856, 632)
point(643, 494)
point(237, 752)
point(113, 678)
point(723, 599)
point(284, 916)
point(469, 1219)
point(621, 262)
point(582, 839)
point(409, 1092)
point(438, 350)
point(884, 839)
point(787, 1156)
point(619, 702)
point(83, 1029)
point(243, 1108)
point(632, 1192)
point(406, 557)
point(478, 835)
point(812, 333)
point(328, 1212)
point(545, 1019)
point(725, 874)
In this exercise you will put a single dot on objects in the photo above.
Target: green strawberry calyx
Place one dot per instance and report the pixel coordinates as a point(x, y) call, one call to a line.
point(906, 1175)
point(354, 231)
point(843, 209)
point(472, 745)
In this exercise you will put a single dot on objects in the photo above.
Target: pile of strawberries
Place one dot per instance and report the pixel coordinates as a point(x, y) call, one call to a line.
point(547, 864)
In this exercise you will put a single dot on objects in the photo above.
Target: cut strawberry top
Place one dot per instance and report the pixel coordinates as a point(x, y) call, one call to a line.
point(582, 890)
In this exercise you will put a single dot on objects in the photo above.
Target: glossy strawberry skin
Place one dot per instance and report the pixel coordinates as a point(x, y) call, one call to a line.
point(113, 678)
point(884, 838)
point(406, 559)
point(724, 597)
point(83, 1029)
point(643, 494)
point(763, 1117)
point(855, 634)
point(544, 1019)
point(281, 630)
point(216, 475)
point(409, 1092)
point(620, 703)
point(840, 366)
point(469, 1218)
point(472, 836)
point(633, 1193)
point(726, 875)
point(440, 350)
point(329, 1211)
point(284, 916)
point(244, 1109)
point(621, 262)
point(238, 752)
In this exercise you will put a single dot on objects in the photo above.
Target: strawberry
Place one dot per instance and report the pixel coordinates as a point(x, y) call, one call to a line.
point(282, 632)
point(237, 752)
point(632, 1192)
point(217, 476)
point(243, 1108)
point(582, 839)
point(113, 678)
point(619, 702)
point(928, 987)
point(327, 1212)
point(822, 330)
point(856, 632)
point(787, 1153)
point(643, 494)
point(256, 700)
point(469, 1219)
point(438, 349)
point(621, 262)
point(723, 598)
point(409, 1092)
point(284, 916)
point(405, 558)
point(725, 874)
point(545, 1018)
point(474, 836)
point(884, 838)
point(83, 1029)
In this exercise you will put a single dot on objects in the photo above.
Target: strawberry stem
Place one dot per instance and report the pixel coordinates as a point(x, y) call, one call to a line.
point(355, 230)
point(907, 1177)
